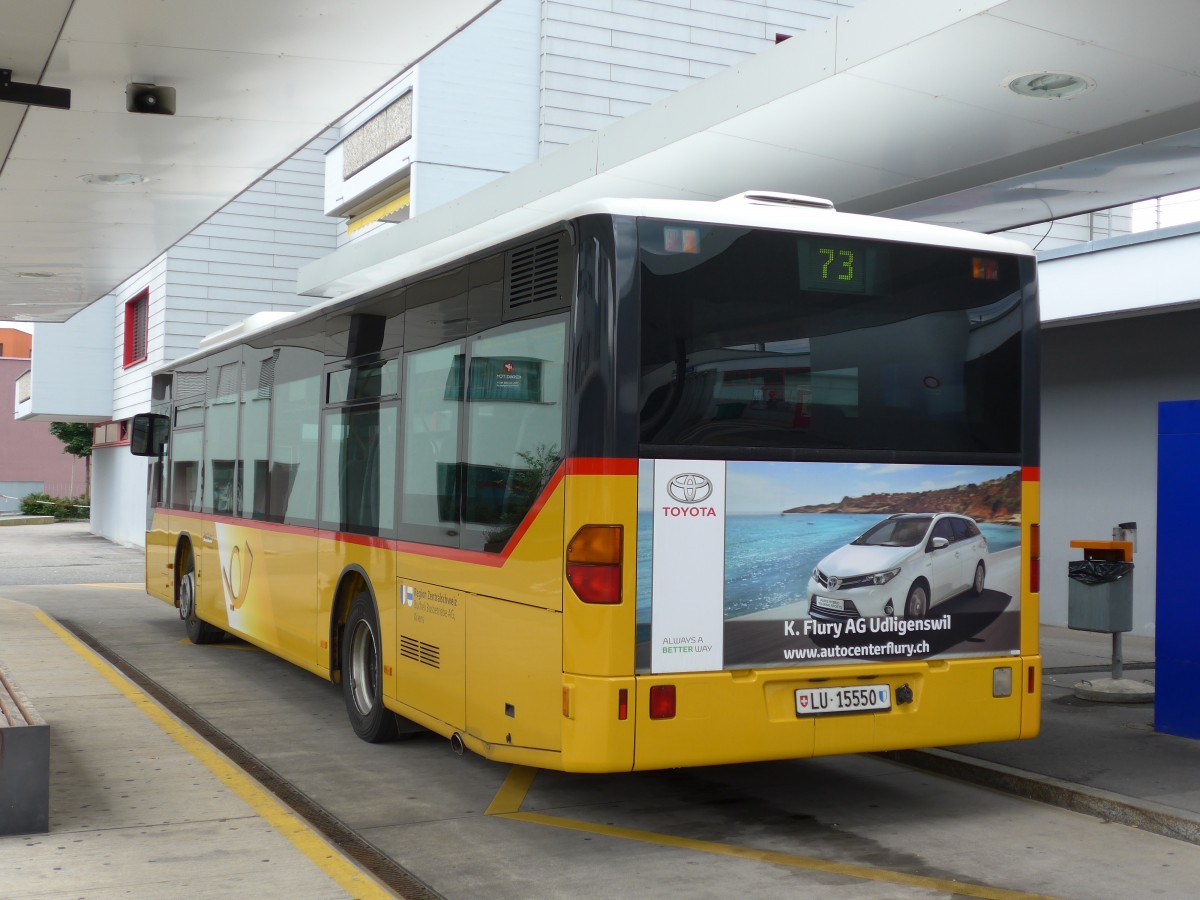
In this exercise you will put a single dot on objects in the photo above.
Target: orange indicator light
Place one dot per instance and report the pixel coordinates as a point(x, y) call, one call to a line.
point(985, 268)
point(594, 563)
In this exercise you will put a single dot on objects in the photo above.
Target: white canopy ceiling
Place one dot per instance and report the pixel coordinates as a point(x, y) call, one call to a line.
point(254, 79)
point(896, 107)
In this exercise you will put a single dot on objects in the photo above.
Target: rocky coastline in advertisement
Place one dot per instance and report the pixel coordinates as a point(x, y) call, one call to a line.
point(997, 501)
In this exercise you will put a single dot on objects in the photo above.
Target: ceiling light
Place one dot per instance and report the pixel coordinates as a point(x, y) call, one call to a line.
point(35, 274)
point(122, 178)
point(1050, 85)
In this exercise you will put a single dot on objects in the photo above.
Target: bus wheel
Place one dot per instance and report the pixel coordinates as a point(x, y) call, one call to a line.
point(362, 668)
point(198, 632)
point(980, 576)
point(917, 605)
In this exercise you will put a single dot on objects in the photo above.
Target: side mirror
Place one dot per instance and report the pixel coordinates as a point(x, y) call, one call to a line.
point(939, 543)
point(148, 434)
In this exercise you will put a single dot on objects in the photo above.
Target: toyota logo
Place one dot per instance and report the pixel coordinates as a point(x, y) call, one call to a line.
point(834, 581)
point(689, 488)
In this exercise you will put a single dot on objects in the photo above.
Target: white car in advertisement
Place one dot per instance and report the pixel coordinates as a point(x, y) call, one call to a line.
point(902, 566)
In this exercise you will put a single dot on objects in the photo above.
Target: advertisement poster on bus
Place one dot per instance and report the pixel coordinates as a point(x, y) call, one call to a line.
point(752, 564)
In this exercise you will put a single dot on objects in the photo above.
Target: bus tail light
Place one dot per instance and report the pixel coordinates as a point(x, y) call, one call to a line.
point(662, 701)
point(594, 563)
point(623, 704)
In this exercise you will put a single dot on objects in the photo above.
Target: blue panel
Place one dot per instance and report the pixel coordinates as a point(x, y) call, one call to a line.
point(1179, 417)
point(1177, 645)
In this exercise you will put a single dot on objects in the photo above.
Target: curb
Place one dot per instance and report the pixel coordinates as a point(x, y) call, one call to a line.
point(27, 520)
point(1144, 815)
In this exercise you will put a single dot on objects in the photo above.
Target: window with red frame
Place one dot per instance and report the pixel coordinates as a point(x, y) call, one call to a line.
point(137, 312)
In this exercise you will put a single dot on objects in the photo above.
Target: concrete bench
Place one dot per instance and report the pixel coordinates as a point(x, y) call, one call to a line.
point(24, 762)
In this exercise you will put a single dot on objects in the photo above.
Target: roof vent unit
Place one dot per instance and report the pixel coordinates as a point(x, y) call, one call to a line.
point(237, 329)
point(773, 198)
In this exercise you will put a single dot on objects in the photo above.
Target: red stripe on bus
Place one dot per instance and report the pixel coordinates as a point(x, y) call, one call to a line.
point(596, 466)
point(1031, 473)
point(242, 523)
point(578, 466)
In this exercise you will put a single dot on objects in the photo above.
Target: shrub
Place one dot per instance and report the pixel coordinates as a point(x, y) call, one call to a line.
point(60, 507)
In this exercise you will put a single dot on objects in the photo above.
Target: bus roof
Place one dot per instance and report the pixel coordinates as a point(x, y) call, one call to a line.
point(753, 209)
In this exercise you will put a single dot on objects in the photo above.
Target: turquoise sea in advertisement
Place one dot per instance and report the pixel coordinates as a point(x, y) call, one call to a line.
point(769, 558)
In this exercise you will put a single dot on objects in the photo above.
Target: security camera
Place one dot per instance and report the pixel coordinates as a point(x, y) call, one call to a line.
point(150, 98)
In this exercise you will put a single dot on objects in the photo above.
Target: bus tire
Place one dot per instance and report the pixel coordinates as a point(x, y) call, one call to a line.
point(198, 632)
point(917, 604)
point(978, 581)
point(362, 673)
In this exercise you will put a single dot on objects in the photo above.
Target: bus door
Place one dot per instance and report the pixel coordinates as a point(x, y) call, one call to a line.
point(222, 485)
point(185, 454)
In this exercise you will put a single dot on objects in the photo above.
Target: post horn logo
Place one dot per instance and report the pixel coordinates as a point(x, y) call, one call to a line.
point(689, 488)
point(237, 575)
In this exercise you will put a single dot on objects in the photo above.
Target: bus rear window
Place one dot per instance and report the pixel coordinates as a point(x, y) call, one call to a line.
point(769, 339)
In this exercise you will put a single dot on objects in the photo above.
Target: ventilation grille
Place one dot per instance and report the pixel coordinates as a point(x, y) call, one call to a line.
point(533, 274)
point(189, 384)
point(419, 651)
point(266, 376)
point(229, 381)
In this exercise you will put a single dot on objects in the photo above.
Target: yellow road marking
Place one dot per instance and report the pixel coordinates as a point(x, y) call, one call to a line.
point(507, 805)
point(512, 793)
point(311, 843)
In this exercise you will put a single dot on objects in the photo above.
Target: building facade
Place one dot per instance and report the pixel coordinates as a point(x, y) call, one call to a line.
point(31, 458)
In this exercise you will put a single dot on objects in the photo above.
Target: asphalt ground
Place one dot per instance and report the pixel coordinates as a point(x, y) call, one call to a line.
point(143, 805)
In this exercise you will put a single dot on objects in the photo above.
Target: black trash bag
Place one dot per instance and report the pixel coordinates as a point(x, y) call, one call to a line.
point(1098, 571)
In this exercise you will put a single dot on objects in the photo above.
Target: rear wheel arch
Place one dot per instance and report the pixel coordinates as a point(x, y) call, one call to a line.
point(186, 598)
point(183, 550)
point(352, 582)
point(362, 672)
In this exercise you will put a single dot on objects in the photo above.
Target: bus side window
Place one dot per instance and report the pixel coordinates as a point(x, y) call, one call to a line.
point(514, 427)
point(185, 468)
point(429, 480)
point(256, 419)
point(295, 432)
point(222, 486)
point(359, 481)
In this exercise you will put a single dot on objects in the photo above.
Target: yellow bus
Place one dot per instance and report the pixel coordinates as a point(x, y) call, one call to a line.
point(651, 484)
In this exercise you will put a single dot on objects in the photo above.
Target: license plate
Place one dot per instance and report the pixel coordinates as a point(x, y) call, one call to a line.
point(829, 603)
point(828, 700)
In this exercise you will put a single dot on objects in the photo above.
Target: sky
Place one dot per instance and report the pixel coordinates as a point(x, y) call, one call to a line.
point(771, 487)
point(1163, 212)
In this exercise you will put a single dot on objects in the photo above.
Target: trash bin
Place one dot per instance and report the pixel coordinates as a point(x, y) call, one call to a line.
point(1100, 595)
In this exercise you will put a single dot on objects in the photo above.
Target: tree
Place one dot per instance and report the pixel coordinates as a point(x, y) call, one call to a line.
point(77, 440)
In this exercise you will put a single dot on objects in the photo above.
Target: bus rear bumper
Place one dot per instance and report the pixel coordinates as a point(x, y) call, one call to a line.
point(751, 715)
